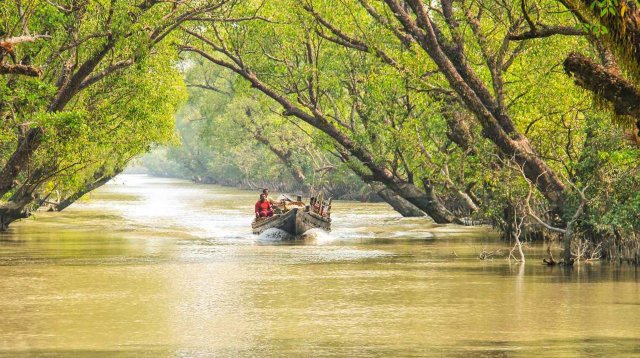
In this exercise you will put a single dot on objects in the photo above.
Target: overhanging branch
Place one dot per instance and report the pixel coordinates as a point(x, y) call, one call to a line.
point(604, 82)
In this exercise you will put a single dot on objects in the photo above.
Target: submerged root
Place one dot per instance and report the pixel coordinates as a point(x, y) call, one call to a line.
point(550, 261)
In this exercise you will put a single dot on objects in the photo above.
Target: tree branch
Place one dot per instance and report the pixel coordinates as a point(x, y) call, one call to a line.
point(20, 70)
point(605, 83)
point(546, 31)
point(106, 72)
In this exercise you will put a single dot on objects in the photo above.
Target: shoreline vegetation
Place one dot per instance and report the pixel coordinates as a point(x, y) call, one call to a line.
point(355, 192)
point(524, 114)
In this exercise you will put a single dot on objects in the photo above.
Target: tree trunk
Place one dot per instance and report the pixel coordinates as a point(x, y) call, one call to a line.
point(100, 181)
point(20, 70)
point(398, 203)
point(427, 203)
point(623, 28)
point(20, 158)
point(443, 215)
point(497, 126)
point(15, 209)
point(605, 83)
point(71, 87)
point(9, 215)
point(567, 240)
point(465, 200)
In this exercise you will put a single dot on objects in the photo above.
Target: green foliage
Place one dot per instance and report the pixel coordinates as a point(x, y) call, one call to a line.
point(217, 129)
point(107, 122)
point(610, 170)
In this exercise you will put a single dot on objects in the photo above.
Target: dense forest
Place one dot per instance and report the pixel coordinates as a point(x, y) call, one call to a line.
point(520, 113)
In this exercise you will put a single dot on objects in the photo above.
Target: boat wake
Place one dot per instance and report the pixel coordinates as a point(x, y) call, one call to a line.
point(317, 236)
point(313, 236)
point(274, 235)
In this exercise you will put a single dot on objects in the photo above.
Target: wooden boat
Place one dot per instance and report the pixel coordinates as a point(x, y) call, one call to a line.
point(295, 222)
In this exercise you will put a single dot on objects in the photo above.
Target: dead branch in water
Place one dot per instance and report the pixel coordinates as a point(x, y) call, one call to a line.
point(585, 251)
point(569, 231)
point(517, 224)
point(484, 254)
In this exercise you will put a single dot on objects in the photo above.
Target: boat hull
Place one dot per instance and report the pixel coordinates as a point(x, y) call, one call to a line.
point(294, 222)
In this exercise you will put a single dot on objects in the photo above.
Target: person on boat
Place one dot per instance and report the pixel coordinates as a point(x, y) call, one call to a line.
point(263, 207)
point(265, 191)
point(314, 205)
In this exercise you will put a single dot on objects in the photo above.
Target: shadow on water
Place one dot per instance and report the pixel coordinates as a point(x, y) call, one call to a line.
point(586, 347)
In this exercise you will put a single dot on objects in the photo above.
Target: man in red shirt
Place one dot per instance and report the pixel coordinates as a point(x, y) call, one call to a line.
point(263, 207)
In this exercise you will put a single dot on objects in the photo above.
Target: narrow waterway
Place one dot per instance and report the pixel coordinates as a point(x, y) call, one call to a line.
point(162, 267)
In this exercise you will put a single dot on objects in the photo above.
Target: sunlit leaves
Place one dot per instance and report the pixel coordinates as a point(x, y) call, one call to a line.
point(109, 121)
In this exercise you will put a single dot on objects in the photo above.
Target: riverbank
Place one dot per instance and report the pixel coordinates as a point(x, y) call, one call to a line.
point(165, 267)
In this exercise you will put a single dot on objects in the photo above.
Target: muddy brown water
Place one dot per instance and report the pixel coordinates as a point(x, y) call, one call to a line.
point(163, 267)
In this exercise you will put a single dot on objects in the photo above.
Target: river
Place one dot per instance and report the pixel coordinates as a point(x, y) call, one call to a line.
point(163, 267)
